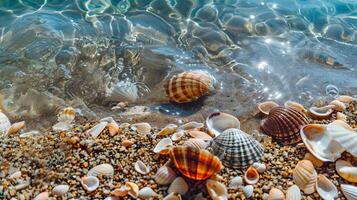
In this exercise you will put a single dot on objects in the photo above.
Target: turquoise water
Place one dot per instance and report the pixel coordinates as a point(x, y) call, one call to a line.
point(57, 53)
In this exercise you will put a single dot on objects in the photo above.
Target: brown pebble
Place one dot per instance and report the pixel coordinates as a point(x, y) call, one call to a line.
point(127, 143)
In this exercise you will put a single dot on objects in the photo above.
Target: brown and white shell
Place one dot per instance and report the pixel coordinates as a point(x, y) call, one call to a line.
point(265, 107)
point(305, 176)
point(188, 86)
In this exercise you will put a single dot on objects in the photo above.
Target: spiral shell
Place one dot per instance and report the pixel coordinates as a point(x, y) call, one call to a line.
point(283, 124)
point(195, 164)
point(305, 176)
point(188, 86)
point(164, 175)
point(236, 148)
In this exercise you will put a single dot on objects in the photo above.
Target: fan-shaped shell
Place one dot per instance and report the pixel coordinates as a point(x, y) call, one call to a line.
point(90, 183)
point(168, 130)
point(147, 193)
point(349, 191)
point(179, 186)
point(345, 137)
point(284, 124)
point(60, 190)
point(266, 106)
point(321, 112)
point(188, 86)
point(196, 143)
point(326, 189)
point(102, 170)
point(251, 176)
point(248, 190)
point(67, 115)
point(236, 148)
point(216, 190)
point(164, 175)
point(218, 122)
point(163, 146)
point(346, 170)
point(293, 193)
point(199, 134)
point(195, 164)
point(140, 167)
point(305, 176)
point(276, 194)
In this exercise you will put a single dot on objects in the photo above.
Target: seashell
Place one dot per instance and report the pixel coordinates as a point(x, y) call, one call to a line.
point(342, 124)
point(90, 183)
point(266, 106)
point(188, 86)
point(127, 143)
point(140, 167)
point(42, 196)
point(195, 143)
point(195, 164)
point(179, 186)
point(345, 99)
point(97, 129)
point(5, 123)
point(236, 148)
point(321, 112)
point(113, 128)
point(293, 193)
point(147, 193)
point(107, 119)
point(15, 175)
point(168, 130)
point(164, 175)
point(142, 128)
point(251, 176)
point(62, 126)
point(111, 198)
point(345, 137)
point(178, 135)
point(132, 188)
point(216, 190)
point(284, 124)
point(276, 194)
point(349, 191)
point(191, 125)
point(339, 106)
point(305, 176)
point(315, 161)
point(102, 170)
point(200, 135)
point(236, 182)
point(217, 177)
point(326, 189)
point(120, 192)
point(248, 191)
point(60, 190)
point(67, 115)
point(16, 127)
point(163, 146)
point(341, 116)
point(218, 122)
point(261, 167)
point(173, 196)
point(346, 170)
point(295, 105)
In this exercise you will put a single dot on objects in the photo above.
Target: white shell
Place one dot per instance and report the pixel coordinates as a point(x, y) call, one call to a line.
point(276, 194)
point(293, 193)
point(235, 182)
point(60, 190)
point(42, 196)
point(90, 183)
point(326, 189)
point(164, 175)
point(140, 167)
point(346, 138)
point(97, 129)
point(173, 196)
point(346, 170)
point(218, 122)
point(251, 176)
point(168, 130)
point(216, 190)
point(62, 126)
point(191, 125)
point(196, 143)
point(248, 191)
point(261, 167)
point(349, 191)
point(322, 112)
point(142, 128)
point(199, 134)
point(178, 135)
point(163, 145)
point(179, 186)
point(4, 123)
point(102, 170)
point(147, 193)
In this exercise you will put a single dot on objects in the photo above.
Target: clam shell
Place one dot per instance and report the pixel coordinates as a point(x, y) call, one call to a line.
point(142, 128)
point(339, 106)
point(200, 135)
point(293, 193)
point(173, 196)
point(284, 124)
point(179, 186)
point(90, 183)
point(321, 112)
point(101, 170)
point(295, 105)
point(163, 146)
point(266, 106)
point(67, 115)
point(326, 189)
point(191, 125)
point(216, 190)
point(195, 164)
point(349, 191)
point(4, 123)
point(218, 122)
point(60, 190)
point(261, 167)
point(276, 194)
point(97, 129)
point(132, 188)
point(119, 192)
point(346, 170)
point(345, 99)
point(188, 86)
point(248, 191)
point(196, 143)
point(16, 127)
point(147, 193)
point(346, 138)
point(305, 176)
point(236, 148)
point(164, 175)
point(140, 167)
point(178, 135)
point(315, 161)
point(251, 176)
point(42, 196)
point(236, 182)
point(113, 128)
point(168, 130)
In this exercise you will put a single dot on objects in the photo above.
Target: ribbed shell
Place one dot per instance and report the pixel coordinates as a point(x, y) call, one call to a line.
point(349, 191)
point(195, 164)
point(188, 86)
point(283, 124)
point(305, 176)
point(236, 148)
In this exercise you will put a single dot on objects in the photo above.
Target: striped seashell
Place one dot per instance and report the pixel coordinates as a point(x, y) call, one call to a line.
point(164, 175)
point(236, 148)
point(195, 164)
point(188, 86)
point(293, 193)
point(276, 194)
point(102, 170)
point(196, 143)
point(284, 124)
point(147, 193)
point(67, 115)
point(305, 176)
point(349, 191)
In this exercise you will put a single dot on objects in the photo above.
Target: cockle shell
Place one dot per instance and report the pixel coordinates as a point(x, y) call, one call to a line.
point(191, 126)
point(326, 189)
point(163, 146)
point(113, 128)
point(119, 192)
point(188, 86)
point(4, 123)
point(90, 183)
point(349, 191)
point(132, 188)
point(195, 164)
point(276, 194)
point(142, 128)
point(140, 167)
point(168, 130)
point(16, 127)
point(199, 134)
point(339, 106)
point(101, 170)
point(266, 106)
point(147, 193)
point(345, 98)
point(67, 115)
point(293, 193)
point(284, 124)
point(173, 196)
point(295, 105)
point(248, 191)
point(321, 112)
point(179, 186)
point(305, 176)
point(97, 129)
point(315, 161)
point(346, 170)
point(251, 176)
point(236, 148)
point(345, 137)
point(178, 135)
point(60, 190)
point(216, 190)
point(261, 167)
point(236, 182)
point(42, 196)
point(218, 122)
point(196, 143)
point(164, 175)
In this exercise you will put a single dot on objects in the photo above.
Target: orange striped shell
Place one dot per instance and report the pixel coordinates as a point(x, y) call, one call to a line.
point(188, 86)
point(195, 164)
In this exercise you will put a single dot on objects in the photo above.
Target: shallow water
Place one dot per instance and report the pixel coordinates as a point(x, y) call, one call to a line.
point(89, 53)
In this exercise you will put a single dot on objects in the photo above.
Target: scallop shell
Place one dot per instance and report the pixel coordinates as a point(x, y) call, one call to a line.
point(305, 176)
point(4, 123)
point(200, 135)
point(293, 193)
point(321, 112)
point(97, 129)
point(236, 148)
point(142, 128)
point(16, 127)
point(42, 196)
point(266, 106)
point(119, 192)
point(173, 196)
point(346, 170)
point(113, 128)
point(191, 126)
point(60, 190)
point(295, 105)
point(164, 175)
point(147, 193)
point(163, 146)
point(140, 167)
point(101, 170)
point(195, 164)
point(248, 191)
point(346, 138)
point(132, 188)
point(284, 124)
point(196, 143)
point(168, 130)
point(188, 86)
point(251, 176)
point(276, 194)
point(349, 191)
point(218, 122)
point(216, 190)
point(326, 189)
point(339, 106)
point(261, 167)
point(345, 98)
point(90, 183)
point(315, 161)
point(179, 186)
point(236, 182)
point(178, 135)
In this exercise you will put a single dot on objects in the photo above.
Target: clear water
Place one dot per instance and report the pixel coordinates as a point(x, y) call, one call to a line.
point(55, 53)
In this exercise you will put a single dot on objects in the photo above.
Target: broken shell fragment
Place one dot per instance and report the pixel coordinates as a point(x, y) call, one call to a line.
point(346, 170)
point(147, 193)
point(142, 128)
point(60, 190)
point(326, 189)
point(179, 186)
point(140, 167)
point(305, 176)
point(97, 129)
point(164, 175)
point(218, 122)
point(199, 134)
point(113, 128)
point(293, 193)
point(163, 146)
point(321, 112)
point(132, 188)
point(339, 106)
point(42, 196)
point(216, 190)
point(120, 192)
point(101, 170)
point(251, 176)
point(168, 130)
point(349, 191)
point(90, 183)
point(16, 127)
point(248, 191)
point(266, 106)
point(276, 194)
point(178, 135)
